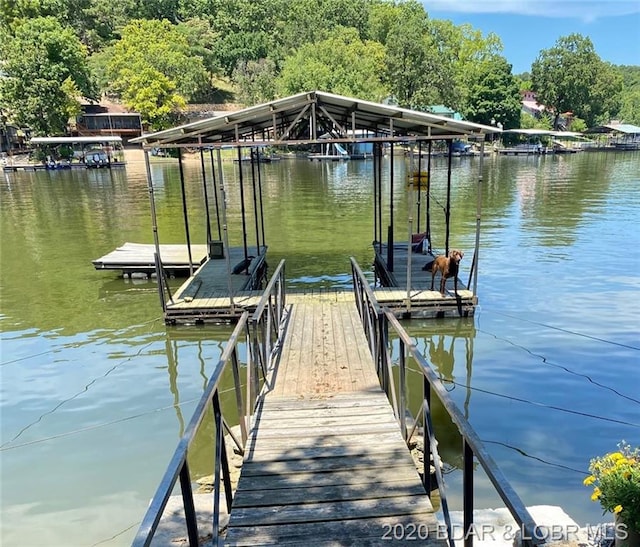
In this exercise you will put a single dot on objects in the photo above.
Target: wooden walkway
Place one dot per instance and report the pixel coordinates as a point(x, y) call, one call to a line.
point(325, 463)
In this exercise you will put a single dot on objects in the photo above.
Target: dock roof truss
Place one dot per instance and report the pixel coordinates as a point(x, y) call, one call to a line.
point(314, 117)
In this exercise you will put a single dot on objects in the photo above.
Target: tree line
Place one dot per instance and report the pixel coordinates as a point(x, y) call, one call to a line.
point(156, 56)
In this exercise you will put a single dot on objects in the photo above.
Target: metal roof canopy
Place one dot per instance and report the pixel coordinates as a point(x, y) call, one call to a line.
point(612, 128)
point(71, 140)
point(543, 133)
point(305, 117)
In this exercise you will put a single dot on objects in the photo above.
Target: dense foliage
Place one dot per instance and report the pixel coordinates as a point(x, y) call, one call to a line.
point(157, 55)
point(45, 70)
point(570, 77)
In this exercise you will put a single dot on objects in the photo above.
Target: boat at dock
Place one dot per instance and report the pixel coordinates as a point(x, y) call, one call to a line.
point(54, 153)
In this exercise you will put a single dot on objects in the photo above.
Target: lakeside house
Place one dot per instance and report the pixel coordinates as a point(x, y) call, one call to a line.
point(107, 119)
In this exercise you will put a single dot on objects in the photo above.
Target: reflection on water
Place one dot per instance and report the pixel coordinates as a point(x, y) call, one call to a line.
point(96, 390)
point(444, 344)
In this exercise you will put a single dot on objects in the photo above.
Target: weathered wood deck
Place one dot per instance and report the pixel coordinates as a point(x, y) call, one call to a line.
point(421, 300)
point(138, 258)
point(205, 295)
point(326, 463)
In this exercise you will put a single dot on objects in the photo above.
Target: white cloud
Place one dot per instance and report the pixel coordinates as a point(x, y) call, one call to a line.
point(586, 10)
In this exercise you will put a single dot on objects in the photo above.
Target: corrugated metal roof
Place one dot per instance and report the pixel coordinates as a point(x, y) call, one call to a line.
point(303, 118)
point(70, 140)
point(620, 127)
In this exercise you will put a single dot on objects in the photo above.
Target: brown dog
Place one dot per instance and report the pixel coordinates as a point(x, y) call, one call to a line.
point(448, 267)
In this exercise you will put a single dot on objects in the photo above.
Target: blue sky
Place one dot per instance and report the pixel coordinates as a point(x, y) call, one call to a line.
point(528, 26)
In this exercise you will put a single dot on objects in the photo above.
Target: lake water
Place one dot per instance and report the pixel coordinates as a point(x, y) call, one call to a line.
point(96, 390)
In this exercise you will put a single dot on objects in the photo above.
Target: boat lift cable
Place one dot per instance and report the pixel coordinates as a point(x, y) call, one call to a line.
point(589, 336)
point(550, 407)
point(4, 448)
point(537, 403)
point(83, 390)
point(107, 540)
point(557, 365)
point(537, 458)
point(66, 346)
point(94, 426)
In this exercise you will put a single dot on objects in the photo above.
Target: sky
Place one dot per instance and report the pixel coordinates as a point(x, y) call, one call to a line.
point(526, 27)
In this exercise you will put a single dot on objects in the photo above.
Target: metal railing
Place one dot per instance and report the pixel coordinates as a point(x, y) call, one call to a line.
point(260, 334)
point(377, 322)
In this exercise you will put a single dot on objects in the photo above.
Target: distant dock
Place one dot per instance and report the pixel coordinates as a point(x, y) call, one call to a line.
point(133, 258)
point(59, 167)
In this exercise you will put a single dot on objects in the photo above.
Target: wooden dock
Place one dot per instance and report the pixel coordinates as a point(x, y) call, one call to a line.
point(133, 258)
point(205, 296)
point(62, 167)
point(420, 301)
point(326, 463)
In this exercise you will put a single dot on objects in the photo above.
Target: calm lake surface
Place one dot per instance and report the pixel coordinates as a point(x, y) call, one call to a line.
point(96, 390)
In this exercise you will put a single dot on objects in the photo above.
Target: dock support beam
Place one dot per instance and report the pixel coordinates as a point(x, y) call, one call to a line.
point(206, 196)
point(447, 212)
point(225, 232)
point(390, 228)
point(215, 193)
point(184, 210)
point(243, 210)
point(154, 228)
point(476, 252)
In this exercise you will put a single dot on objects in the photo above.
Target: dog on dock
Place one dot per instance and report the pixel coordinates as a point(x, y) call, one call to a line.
point(448, 266)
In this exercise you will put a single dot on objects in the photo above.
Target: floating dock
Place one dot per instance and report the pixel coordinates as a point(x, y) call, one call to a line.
point(326, 458)
point(206, 295)
point(420, 301)
point(133, 258)
point(59, 167)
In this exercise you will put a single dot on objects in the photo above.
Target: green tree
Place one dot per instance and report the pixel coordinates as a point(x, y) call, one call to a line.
point(494, 94)
point(411, 68)
point(255, 81)
point(46, 72)
point(155, 49)
point(527, 121)
point(236, 47)
point(571, 77)
point(308, 21)
point(465, 58)
point(341, 64)
point(153, 95)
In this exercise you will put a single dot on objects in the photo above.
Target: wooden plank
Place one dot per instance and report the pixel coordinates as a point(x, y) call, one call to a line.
point(311, 429)
point(333, 440)
point(286, 477)
point(319, 465)
point(419, 528)
point(303, 494)
point(336, 510)
point(276, 454)
point(295, 416)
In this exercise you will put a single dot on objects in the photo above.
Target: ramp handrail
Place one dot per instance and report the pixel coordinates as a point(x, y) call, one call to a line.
point(259, 334)
point(376, 322)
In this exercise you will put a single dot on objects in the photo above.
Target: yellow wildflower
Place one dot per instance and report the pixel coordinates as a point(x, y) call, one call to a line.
point(617, 509)
point(615, 456)
point(596, 494)
point(589, 480)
